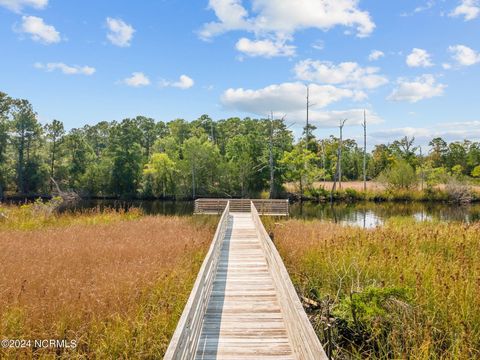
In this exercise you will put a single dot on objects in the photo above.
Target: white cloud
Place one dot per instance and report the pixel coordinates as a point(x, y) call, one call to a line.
point(349, 74)
point(428, 5)
point(375, 55)
point(184, 82)
point(289, 99)
point(285, 98)
point(120, 33)
point(66, 69)
point(286, 16)
point(354, 117)
point(469, 9)
point(38, 30)
point(446, 66)
point(265, 48)
point(419, 58)
point(18, 5)
point(423, 87)
point(280, 19)
point(464, 55)
point(138, 79)
point(450, 131)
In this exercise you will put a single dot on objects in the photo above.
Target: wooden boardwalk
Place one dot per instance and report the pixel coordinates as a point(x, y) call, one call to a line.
point(243, 305)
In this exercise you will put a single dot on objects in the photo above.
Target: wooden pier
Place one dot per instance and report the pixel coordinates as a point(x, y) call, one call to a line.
point(243, 305)
point(263, 206)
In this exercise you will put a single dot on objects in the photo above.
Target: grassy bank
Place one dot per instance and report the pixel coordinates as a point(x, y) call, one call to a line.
point(406, 290)
point(114, 282)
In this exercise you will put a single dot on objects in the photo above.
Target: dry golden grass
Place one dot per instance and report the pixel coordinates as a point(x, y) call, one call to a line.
point(435, 263)
point(355, 185)
point(105, 285)
point(372, 186)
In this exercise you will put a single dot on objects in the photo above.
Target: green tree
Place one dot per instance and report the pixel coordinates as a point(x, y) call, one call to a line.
point(405, 150)
point(457, 170)
point(401, 175)
point(5, 105)
point(381, 159)
point(126, 154)
point(26, 137)
point(160, 173)
point(201, 160)
point(54, 133)
point(476, 172)
point(438, 151)
point(149, 133)
point(300, 167)
point(79, 154)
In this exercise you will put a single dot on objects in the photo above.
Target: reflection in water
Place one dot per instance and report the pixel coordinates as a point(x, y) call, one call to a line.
point(369, 214)
point(366, 214)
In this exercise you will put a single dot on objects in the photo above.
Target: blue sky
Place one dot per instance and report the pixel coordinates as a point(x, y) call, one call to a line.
point(413, 65)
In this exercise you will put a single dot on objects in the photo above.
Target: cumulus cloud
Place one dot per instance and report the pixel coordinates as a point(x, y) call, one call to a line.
point(66, 69)
point(280, 19)
point(265, 48)
point(354, 117)
point(469, 9)
point(423, 87)
point(288, 98)
point(349, 74)
point(464, 55)
point(419, 58)
point(138, 79)
point(120, 33)
point(184, 82)
point(450, 131)
point(286, 16)
point(18, 5)
point(39, 30)
point(375, 55)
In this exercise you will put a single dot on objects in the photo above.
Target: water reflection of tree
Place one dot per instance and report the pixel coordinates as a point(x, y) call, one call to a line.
point(359, 212)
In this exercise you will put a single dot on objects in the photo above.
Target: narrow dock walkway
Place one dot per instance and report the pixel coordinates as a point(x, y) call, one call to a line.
point(243, 305)
point(243, 318)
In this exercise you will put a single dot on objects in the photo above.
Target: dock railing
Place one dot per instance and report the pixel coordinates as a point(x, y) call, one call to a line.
point(187, 334)
point(271, 207)
point(303, 339)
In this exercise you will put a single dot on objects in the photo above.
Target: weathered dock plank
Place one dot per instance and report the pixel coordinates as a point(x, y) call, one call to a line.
point(243, 305)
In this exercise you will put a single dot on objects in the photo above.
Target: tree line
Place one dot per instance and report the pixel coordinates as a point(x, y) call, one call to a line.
point(142, 157)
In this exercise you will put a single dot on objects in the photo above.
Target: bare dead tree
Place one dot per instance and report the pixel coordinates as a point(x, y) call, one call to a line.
point(67, 196)
point(338, 172)
point(364, 151)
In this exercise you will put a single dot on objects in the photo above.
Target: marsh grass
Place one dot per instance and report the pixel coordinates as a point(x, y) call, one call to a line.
point(34, 216)
point(114, 281)
point(405, 290)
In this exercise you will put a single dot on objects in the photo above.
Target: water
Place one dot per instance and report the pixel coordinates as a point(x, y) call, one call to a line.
point(370, 214)
point(367, 215)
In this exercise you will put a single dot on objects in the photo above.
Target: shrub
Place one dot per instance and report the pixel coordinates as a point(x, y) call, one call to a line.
point(400, 176)
point(458, 192)
point(457, 170)
point(476, 172)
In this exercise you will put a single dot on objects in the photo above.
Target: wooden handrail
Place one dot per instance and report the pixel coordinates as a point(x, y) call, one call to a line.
point(273, 207)
point(303, 339)
point(186, 336)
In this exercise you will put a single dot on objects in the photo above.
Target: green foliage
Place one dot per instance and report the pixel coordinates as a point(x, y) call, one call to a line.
point(300, 167)
point(457, 170)
point(476, 172)
point(400, 175)
point(229, 157)
point(159, 175)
